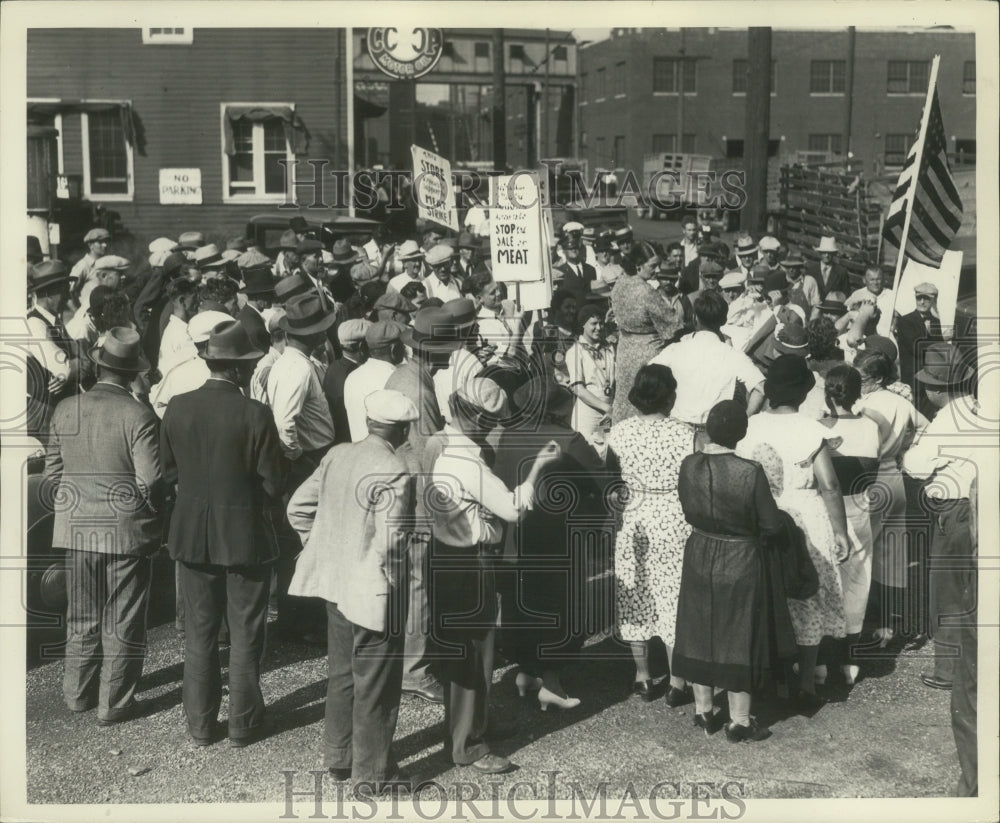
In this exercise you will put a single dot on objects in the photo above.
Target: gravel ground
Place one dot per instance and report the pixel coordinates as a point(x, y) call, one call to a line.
point(889, 737)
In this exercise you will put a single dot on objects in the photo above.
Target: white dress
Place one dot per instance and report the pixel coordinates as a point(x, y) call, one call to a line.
point(594, 369)
point(786, 445)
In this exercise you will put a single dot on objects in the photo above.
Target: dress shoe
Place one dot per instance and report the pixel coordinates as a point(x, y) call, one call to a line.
point(807, 701)
point(935, 682)
point(645, 689)
point(213, 736)
point(526, 683)
point(675, 698)
point(130, 712)
point(710, 722)
point(339, 775)
point(247, 736)
point(492, 764)
point(432, 692)
point(736, 733)
point(547, 698)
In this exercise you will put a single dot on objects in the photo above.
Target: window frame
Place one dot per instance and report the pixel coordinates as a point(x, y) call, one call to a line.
point(678, 80)
point(57, 124)
point(601, 83)
point(186, 38)
point(829, 91)
point(620, 80)
point(829, 148)
point(908, 140)
point(259, 195)
point(966, 79)
point(909, 64)
point(120, 197)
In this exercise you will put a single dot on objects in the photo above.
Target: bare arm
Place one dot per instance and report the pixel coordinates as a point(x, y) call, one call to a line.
point(833, 499)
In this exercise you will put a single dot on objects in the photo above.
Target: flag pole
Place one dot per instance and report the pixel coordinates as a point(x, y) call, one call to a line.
point(918, 161)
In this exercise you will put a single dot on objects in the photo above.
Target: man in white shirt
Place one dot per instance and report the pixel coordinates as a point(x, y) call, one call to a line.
point(607, 270)
point(385, 352)
point(874, 292)
point(192, 373)
point(97, 246)
point(689, 242)
point(945, 454)
point(411, 257)
point(175, 343)
point(442, 283)
point(706, 368)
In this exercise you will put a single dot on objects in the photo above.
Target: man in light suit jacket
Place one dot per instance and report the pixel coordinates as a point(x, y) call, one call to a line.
point(221, 449)
point(103, 460)
point(354, 515)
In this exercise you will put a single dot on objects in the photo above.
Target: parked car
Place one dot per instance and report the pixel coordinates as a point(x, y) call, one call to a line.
point(265, 230)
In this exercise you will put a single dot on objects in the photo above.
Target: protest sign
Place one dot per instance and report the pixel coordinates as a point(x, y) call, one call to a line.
point(432, 188)
point(516, 228)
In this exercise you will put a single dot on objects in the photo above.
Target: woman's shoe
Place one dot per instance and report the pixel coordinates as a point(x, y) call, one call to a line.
point(710, 722)
point(547, 698)
point(736, 733)
point(851, 673)
point(675, 698)
point(645, 689)
point(526, 683)
point(807, 701)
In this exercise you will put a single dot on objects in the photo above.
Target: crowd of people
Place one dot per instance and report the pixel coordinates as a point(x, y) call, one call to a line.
point(374, 446)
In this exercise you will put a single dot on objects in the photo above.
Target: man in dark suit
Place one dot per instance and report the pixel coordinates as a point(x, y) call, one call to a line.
point(258, 286)
point(828, 273)
point(354, 515)
point(351, 334)
point(576, 274)
point(221, 449)
point(103, 455)
point(914, 333)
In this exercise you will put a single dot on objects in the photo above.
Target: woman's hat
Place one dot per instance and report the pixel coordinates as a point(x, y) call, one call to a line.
point(305, 315)
point(726, 422)
point(122, 351)
point(792, 339)
point(230, 341)
point(789, 371)
point(943, 366)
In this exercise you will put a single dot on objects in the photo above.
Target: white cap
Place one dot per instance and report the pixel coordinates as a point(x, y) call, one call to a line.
point(731, 280)
point(769, 243)
point(482, 393)
point(572, 225)
point(200, 326)
point(388, 406)
point(162, 244)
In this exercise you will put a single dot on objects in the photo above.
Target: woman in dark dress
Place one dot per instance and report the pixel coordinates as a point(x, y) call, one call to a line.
point(541, 617)
point(729, 634)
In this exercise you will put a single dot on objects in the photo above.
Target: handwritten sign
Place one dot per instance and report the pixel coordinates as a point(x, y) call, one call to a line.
point(180, 186)
point(516, 228)
point(432, 188)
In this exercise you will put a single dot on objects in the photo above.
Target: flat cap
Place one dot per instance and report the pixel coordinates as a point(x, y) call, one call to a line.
point(352, 332)
point(441, 253)
point(572, 225)
point(389, 406)
point(383, 333)
point(162, 244)
point(769, 243)
point(395, 301)
point(731, 280)
point(191, 240)
point(926, 288)
point(96, 234)
point(111, 262)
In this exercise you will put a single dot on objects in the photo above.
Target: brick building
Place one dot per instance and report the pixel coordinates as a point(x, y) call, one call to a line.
point(630, 102)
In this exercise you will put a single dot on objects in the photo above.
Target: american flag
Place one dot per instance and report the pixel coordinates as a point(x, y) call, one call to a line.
point(937, 208)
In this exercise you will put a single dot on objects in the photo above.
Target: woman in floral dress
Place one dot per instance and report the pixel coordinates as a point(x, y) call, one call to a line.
point(645, 320)
point(792, 449)
point(649, 546)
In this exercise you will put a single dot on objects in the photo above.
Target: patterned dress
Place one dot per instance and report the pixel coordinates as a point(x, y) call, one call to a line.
point(649, 546)
point(786, 445)
point(646, 321)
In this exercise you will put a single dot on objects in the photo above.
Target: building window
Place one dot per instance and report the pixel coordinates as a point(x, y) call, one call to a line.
point(734, 147)
point(483, 50)
point(168, 36)
point(965, 153)
point(969, 77)
point(601, 89)
point(896, 148)
point(620, 81)
point(740, 71)
point(908, 76)
point(107, 155)
point(828, 143)
point(560, 60)
point(619, 157)
point(827, 77)
point(481, 55)
point(254, 168)
point(667, 143)
point(670, 73)
point(519, 60)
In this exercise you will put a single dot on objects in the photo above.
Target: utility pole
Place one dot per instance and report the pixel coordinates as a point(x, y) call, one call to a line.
point(849, 93)
point(681, 72)
point(545, 102)
point(757, 129)
point(499, 103)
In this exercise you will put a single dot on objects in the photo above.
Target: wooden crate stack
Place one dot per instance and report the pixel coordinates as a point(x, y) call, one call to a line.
point(826, 203)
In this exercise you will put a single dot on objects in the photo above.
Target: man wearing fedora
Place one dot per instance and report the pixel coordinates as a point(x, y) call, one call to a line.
point(944, 454)
point(434, 335)
point(745, 256)
point(305, 429)
point(221, 449)
point(915, 331)
point(827, 272)
point(103, 455)
point(258, 287)
point(468, 246)
point(385, 352)
point(442, 282)
point(341, 260)
point(52, 348)
point(354, 515)
point(411, 257)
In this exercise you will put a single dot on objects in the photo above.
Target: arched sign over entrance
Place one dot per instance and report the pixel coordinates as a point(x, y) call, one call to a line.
point(405, 54)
